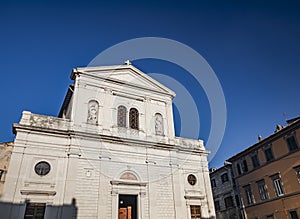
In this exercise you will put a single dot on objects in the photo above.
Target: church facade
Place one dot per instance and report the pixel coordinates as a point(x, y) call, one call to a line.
point(111, 153)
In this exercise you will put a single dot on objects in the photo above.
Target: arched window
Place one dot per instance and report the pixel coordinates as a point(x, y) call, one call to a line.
point(159, 124)
point(121, 116)
point(134, 118)
point(93, 108)
point(128, 176)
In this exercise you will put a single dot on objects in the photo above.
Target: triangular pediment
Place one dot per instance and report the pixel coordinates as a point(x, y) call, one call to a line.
point(127, 75)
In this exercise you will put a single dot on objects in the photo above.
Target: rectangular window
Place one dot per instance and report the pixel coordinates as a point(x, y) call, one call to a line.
point(292, 143)
point(269, 154)
point(262, 189)
point(224, 177)
point(239, 170)
point(237, 200)
point(35, 211)
point(213, 183)
point(228, 202)
point(1, 173)
point(217, 206)
point(255, 160)
point(270, 216)
point(293, 214)
point(195, 211)
point(248, 194)
point(277, 185)
point(242, 167)
point(297, 169)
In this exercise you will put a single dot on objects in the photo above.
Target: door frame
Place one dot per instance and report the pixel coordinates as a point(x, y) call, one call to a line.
point(128, 187)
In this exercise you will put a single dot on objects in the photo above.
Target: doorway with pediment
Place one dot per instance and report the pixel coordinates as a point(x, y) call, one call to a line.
point(128, 196)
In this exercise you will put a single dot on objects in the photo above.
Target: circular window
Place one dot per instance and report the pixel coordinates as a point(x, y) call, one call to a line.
point(42, 168)
point(192, 179)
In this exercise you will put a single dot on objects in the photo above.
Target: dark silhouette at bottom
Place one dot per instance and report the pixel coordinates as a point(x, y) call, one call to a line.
point(34, 210)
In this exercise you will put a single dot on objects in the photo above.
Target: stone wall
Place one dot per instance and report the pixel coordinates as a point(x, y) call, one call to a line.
point(5, 155)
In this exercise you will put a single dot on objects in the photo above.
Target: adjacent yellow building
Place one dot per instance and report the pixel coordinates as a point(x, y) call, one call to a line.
point(268, 175)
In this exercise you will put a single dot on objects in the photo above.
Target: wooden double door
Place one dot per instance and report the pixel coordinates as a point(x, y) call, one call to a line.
point(127, 206)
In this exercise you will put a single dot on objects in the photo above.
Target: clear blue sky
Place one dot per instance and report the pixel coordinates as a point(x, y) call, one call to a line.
point(254, 49)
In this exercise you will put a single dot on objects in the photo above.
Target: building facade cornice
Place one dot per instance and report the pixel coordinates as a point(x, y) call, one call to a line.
point(279, 134)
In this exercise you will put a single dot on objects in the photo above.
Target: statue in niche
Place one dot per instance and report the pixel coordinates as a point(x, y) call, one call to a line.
point(93, 108)
point(159, 129)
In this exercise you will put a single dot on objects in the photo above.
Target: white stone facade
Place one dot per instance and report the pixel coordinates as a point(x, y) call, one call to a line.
point(97, 153)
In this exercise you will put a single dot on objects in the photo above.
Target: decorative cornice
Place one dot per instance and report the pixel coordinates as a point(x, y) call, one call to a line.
point(37, 192)
point(114, 68)
point(271, 138)
point(128, 182)
point(194, 196)
point(109, 138)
